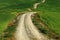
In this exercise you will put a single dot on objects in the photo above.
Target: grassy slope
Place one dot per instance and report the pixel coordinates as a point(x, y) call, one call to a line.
point(8, 11)
point(50, 14)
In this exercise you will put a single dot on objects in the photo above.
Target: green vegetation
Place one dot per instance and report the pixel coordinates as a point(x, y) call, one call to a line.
point(49, 12)
point(8, 11)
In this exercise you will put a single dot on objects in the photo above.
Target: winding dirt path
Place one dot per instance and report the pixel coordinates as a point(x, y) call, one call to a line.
point(26, 30)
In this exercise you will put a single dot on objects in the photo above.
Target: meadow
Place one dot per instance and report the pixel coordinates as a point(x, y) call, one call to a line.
point(49, 13)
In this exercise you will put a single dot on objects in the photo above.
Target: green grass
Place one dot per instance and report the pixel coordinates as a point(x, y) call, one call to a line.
point(49, 12)
point(52, 20)
point(7, 15)
point(8, 11)
point(4, 20)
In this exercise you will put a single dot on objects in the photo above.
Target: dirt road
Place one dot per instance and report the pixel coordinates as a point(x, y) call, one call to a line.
point(26, 30)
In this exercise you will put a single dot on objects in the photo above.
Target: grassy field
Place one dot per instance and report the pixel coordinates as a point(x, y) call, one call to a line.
point(49, 13)
point(8, 11)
